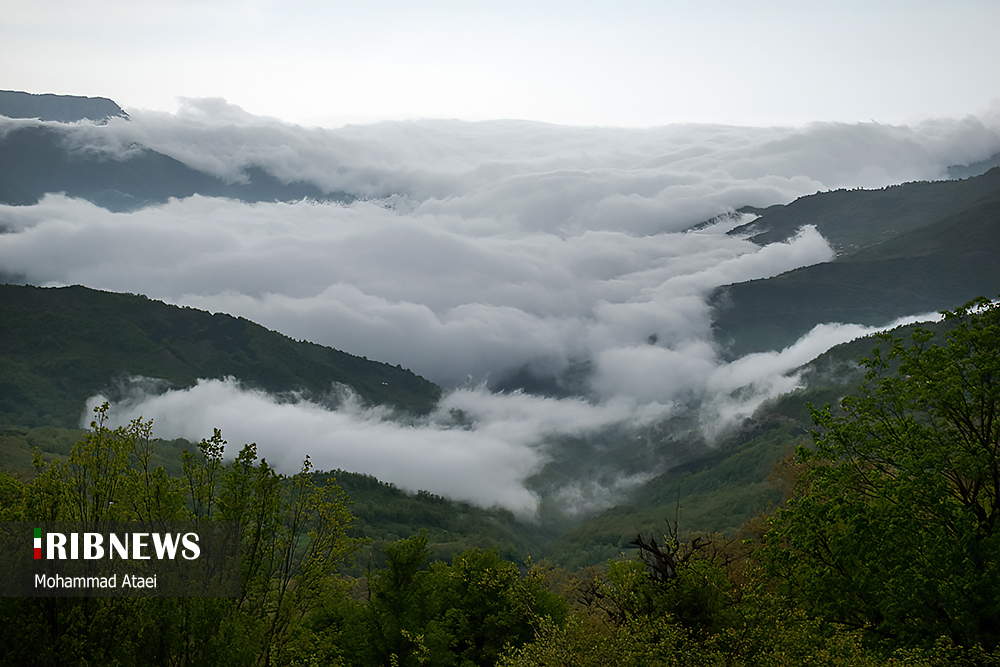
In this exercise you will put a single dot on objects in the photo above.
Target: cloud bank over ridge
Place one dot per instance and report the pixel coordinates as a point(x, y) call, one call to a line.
point(475, 252)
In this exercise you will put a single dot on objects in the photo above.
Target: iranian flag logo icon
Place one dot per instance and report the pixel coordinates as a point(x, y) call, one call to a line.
point(38, 543)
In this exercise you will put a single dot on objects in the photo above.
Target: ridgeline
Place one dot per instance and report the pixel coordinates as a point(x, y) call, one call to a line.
point(59, 346)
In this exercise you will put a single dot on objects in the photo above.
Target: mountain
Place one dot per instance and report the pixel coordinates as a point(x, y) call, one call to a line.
point(854, 219)
point(904, 250)
point(59, 346)
point(974, 169)
point(38, 159)
point(61, 108)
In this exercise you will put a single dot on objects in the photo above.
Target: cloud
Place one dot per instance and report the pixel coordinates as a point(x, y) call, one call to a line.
point(484, 457)
point(393, 286)
point(475, 252)
point(547, 177)
point(735, 390)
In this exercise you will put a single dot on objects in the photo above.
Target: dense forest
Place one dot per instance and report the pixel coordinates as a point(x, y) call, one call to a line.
point(905, 249)
point(885, 551)
point(59, 346)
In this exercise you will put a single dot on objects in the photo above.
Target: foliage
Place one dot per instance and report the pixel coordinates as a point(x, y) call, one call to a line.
point(633, 619)
point(885, 553)
point(460, 613)
point(294, 537)
point(60, 346)
point(893, 528)
point(385, 514)
point(718, 492)
point(11, 497)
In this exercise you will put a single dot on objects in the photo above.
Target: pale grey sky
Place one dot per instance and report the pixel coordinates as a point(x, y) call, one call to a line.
point(628, 63)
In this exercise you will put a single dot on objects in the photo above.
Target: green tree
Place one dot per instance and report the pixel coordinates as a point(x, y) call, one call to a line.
point(479, 604)
point(294, 537)
point(460, 613)
point(893, 527)
point(11, 497)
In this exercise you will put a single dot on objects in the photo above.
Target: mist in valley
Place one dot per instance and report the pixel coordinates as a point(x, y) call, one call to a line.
point(552, 279)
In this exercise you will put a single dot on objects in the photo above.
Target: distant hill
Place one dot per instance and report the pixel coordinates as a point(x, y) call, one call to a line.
point(854, 219)
point(908, 249)
point(974, 169)
point(59, 346)
point(37, 160)
point(62, 108)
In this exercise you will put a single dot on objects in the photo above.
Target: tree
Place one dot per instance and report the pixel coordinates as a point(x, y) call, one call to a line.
point(461, 613)
point(294, 536)
point(893, 528)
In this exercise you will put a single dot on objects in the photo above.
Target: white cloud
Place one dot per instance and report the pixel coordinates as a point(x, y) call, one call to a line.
point(484, 458)
point(484, 249)
point(735, 390)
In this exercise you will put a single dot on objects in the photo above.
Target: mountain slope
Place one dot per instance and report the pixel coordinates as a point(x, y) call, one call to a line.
point(62, 108)
point(938, 265)
point(855, 219)
point(728, 485)
point(37, 159)
point(59, 346)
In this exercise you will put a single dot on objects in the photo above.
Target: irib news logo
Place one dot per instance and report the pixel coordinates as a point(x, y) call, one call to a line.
point(120, 558)
point(130, 546)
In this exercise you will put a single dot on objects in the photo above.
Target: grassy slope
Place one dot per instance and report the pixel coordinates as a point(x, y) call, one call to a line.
point(59, 346)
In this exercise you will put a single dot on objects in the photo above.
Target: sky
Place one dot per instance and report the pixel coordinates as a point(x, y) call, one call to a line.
point(626, 64)
point(527, 176)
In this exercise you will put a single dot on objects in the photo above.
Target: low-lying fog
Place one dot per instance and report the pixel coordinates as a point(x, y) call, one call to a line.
point(475, 253)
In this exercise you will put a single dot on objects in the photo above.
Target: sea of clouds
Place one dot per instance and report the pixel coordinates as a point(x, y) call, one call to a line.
point(473, 253)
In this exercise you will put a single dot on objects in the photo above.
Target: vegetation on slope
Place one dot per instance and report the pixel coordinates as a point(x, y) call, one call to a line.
point(743, 475)
point(949, 260)
point(59, 346)
point(854, 219)
point(884, 554)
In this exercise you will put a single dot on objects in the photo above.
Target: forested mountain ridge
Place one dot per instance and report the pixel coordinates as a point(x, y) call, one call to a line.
point(914, 248)
point(59, 346)
point(859, 218)
point(876, 557)
point(37, 159)
point(708, 563)
point(731, 485)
